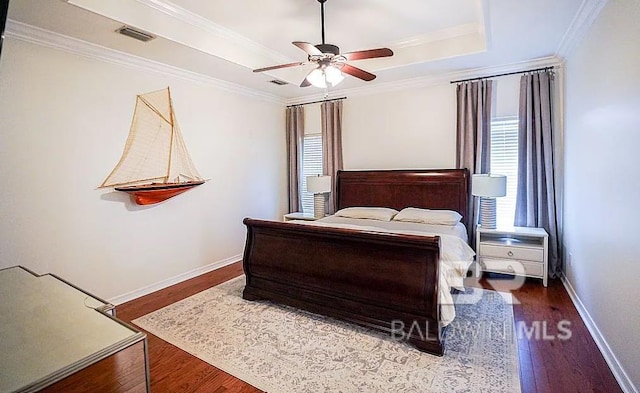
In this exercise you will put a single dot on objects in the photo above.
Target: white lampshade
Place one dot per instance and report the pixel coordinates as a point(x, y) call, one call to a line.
point(489, 185)
point(325, 74)
point(319, 184)
point(316, 78)
point(334, 75)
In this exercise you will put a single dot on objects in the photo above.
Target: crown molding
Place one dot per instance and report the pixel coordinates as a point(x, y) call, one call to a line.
point(451, 32)
point(431, 80)
point(193, 19)
point(440, 35)
point(482, 72)
point(582, 21)
point(35, 35)
point(42, 37)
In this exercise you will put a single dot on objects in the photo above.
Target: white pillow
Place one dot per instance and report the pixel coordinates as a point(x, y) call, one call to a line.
point(427, 216)
point(372, 213)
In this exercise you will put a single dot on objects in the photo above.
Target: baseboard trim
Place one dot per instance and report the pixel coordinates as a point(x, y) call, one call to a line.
point(616, 368)
point(173, 280)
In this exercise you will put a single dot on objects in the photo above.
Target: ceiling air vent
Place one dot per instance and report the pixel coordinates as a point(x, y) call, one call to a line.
point(278, 82)
point(137, 34)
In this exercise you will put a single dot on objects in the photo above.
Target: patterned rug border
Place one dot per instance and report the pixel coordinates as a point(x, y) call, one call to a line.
point(258, 381)
point(233, 370)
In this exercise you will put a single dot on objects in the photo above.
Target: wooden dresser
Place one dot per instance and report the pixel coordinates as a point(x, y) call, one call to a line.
point(54, 337)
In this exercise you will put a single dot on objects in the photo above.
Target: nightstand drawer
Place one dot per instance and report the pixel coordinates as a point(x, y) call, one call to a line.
point(526, 253)
point(512, 266)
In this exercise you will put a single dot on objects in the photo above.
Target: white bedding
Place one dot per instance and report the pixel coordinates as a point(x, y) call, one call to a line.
point(455, 254)
point(458, 230)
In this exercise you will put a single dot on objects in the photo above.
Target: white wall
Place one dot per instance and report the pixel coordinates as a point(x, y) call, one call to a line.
point(63, 123)
point(506, 96)
point(312, 120)
point(602, 178)
point(401, 130)
point(411, 129)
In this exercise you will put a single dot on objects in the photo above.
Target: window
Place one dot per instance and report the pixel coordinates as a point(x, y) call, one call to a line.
point(504, 161)
point(311, 166)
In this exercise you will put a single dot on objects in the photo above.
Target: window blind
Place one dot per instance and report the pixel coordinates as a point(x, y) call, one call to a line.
point(311, 166)
point(504, 161)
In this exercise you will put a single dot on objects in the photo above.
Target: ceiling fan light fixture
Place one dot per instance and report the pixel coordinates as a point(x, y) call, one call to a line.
point(333, 75)
point(332, 66)
point(325, 74)
point(317, 78)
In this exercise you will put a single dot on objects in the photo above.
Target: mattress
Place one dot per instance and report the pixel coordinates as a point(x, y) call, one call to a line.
point(455, 254)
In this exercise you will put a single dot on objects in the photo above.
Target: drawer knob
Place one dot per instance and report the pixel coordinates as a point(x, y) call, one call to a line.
point(510, 253)
point(510, 268)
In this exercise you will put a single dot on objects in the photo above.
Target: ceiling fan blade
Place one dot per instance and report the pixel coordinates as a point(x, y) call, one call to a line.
point(305, 83)
point(358, 72)
point(368, 54)
point(280, 66)
point(307, 47)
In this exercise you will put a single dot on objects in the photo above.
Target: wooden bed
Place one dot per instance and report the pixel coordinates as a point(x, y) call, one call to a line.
point(371, 279)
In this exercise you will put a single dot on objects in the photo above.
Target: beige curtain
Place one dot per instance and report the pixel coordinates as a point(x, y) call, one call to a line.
point(473, 136)
point(331, 114)
point(536, 200)
point(295, 143)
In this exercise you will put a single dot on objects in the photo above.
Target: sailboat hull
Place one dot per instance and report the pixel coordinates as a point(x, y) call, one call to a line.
point(148, 194)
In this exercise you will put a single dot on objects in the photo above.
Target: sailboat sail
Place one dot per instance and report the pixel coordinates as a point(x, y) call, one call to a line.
point(181, 168)
point(155, 153)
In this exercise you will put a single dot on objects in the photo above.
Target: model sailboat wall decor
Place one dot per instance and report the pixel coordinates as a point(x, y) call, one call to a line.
point(155, 164)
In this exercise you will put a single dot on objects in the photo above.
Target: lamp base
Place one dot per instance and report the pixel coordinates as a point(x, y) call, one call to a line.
point(318, 205)
point(488, 213)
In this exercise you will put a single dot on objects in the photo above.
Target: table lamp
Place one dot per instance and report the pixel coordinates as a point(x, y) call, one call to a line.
point(318, 185)
point(488, 187)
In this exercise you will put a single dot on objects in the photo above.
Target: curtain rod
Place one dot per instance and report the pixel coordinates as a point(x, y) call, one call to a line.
point(497, 75)
point(315, 102)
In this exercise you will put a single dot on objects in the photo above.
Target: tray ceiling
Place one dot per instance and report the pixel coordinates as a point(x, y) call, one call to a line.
point(227, 39)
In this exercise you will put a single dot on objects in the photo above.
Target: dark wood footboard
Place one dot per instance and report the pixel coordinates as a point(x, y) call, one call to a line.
point(387, 282)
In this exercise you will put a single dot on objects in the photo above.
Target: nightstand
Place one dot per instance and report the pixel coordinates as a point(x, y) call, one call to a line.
point(299, 216)
point(518, 250)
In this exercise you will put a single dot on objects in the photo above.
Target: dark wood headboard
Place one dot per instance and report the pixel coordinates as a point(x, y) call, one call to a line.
point(426, 188)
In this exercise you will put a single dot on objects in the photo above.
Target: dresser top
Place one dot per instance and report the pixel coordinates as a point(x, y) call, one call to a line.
point(525, 231)
point(48, 326)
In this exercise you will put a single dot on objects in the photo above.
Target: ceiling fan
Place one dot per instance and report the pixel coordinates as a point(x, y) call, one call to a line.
point(331, 63)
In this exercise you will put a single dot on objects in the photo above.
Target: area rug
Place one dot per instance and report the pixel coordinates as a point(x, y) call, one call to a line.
point(279, 349)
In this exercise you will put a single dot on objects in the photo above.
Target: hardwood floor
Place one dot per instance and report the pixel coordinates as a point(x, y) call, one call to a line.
point(547, 363)
point(573, 365)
